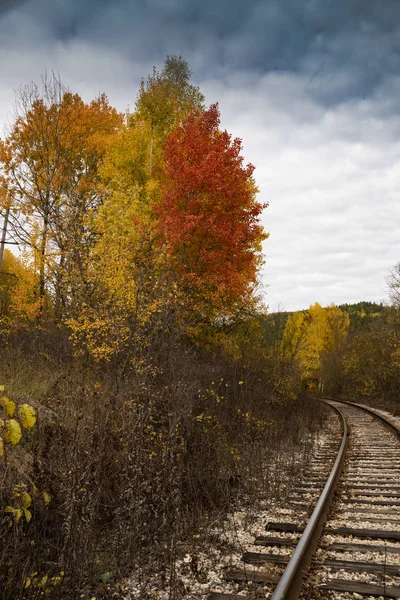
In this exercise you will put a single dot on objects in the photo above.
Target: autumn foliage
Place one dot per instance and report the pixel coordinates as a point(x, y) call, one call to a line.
point(130, 325)
point(209, 216)
point(145, 379)
point(50, 161)
point(124, 219)
point(315, 339)
point(19, 304)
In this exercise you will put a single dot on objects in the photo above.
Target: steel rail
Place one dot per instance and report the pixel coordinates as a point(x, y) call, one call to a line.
point(373, 412)
point(289, 585)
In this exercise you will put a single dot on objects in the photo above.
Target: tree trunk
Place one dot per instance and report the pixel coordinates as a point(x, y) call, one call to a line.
point(42, 258)
point(151, 154)
point(3, 236)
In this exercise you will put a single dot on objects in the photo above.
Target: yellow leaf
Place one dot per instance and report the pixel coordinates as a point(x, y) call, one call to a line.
point(2, 388)
point(46, 497)
point(17, 512)
point(27, 582)
point(28, 514)
point(26, 500)
point(12, 433)
point(8, 405)
point(27, 416)
point(1, 447)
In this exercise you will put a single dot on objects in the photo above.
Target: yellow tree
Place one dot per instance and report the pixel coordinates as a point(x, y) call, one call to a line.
point(164, 100)
point(315, 343)
point(338, 323)
point(128, 272)
point(134, 163)
point(18, 301)
point(315, 339)
point(293, 335)
point(50, 161)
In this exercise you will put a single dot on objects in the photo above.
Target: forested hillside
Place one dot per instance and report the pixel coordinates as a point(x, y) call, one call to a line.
point(351, 350)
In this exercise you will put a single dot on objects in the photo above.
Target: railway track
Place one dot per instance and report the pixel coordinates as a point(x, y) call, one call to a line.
point(349, 548)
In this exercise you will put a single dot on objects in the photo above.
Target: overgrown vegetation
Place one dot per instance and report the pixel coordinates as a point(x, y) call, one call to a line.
point(122, 467)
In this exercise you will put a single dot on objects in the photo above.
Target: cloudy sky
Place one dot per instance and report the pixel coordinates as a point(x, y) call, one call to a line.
point(311, 86)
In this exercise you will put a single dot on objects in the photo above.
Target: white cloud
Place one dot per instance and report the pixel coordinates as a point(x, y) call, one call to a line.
point(333, 182)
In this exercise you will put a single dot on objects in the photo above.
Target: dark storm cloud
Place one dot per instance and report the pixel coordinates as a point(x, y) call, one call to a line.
point(7, 4)
point(347, 48)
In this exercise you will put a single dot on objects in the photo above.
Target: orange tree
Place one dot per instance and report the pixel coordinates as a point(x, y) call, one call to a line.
point(50, 165)
point(209, 217)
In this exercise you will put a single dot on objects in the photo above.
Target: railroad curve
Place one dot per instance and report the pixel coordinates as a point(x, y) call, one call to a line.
point(356, 553)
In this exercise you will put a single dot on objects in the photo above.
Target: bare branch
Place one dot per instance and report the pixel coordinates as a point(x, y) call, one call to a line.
point(393, 282)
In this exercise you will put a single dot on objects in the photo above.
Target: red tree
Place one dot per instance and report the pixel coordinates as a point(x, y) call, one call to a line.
point(209, 215)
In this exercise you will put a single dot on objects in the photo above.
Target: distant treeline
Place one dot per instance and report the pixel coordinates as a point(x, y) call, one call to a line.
point(350, 349)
